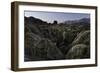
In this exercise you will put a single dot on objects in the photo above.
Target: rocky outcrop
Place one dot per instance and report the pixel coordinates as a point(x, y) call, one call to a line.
point(48, 41)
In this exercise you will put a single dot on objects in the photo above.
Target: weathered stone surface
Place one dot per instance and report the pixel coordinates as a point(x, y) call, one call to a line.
point(56, 41)
point(77, 52)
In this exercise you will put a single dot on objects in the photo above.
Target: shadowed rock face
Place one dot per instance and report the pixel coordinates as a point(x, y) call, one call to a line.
point(80, 46)
point(39, 48)
point(49, 41)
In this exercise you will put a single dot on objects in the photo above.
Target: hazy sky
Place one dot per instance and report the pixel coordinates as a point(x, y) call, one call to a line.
point(59, 16)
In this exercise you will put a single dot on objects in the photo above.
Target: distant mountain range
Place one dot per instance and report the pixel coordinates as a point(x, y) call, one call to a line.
point(33, 20)
point(83, 20)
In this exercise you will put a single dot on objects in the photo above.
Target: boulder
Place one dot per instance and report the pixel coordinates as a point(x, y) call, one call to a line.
point(77, 52)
